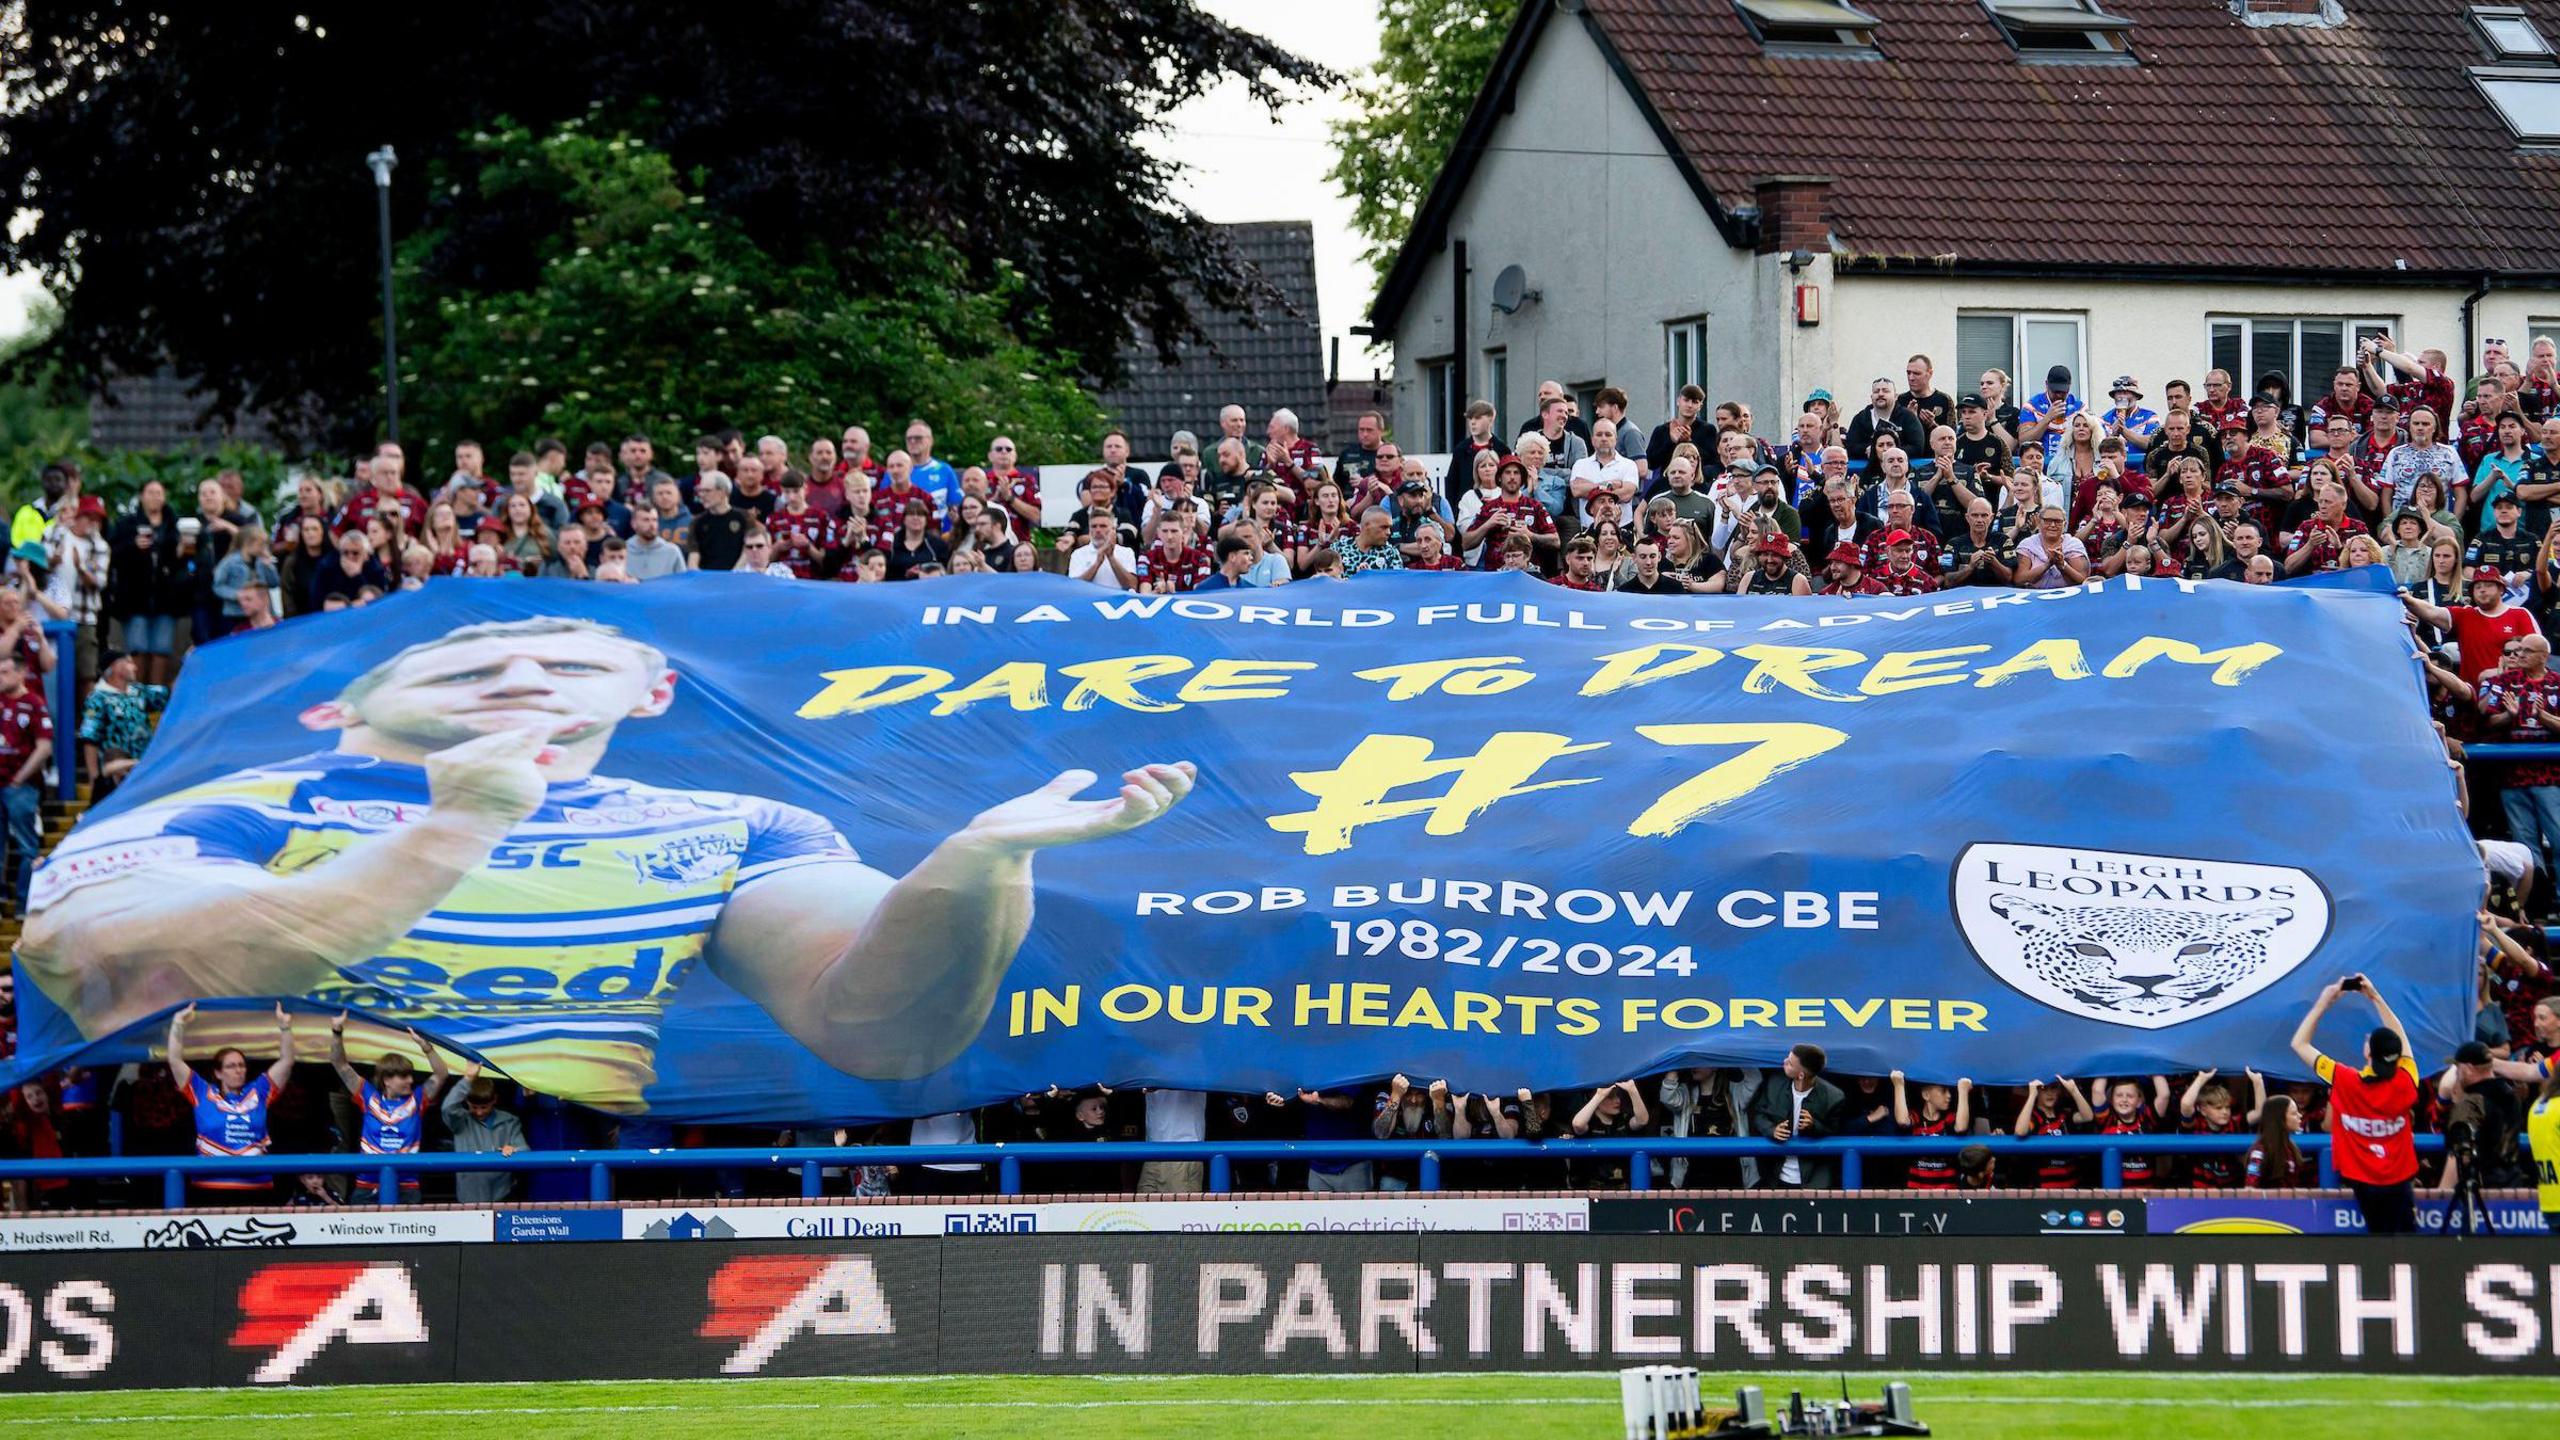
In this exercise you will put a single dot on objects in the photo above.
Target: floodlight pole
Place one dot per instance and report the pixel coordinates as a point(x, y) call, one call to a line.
point(381, 161)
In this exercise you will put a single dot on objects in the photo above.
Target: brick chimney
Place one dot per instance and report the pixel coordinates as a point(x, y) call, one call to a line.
point(1795, 213)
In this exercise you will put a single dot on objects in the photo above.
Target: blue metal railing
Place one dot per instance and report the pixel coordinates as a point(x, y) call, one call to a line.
point(62, 697)
point(1219, 1155)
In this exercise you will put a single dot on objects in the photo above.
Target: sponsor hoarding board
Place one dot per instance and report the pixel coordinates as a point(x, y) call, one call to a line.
point(1099, 1303)
point(1372, 1215)
point(2314, 1215)
point(1902, 1213)
point(262, 1231)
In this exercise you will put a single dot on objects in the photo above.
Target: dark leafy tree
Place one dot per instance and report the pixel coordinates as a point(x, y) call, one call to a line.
point(193, 180)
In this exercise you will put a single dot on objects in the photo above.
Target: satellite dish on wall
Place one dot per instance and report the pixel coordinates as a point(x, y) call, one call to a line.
point(1511, 290)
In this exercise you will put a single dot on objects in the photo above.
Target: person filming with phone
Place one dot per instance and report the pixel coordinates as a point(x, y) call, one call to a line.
point(2370, 1111)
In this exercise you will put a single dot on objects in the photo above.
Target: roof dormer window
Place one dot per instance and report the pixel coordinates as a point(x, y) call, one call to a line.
point(2511, 34)
point(2062, 30)
point(1811, 28)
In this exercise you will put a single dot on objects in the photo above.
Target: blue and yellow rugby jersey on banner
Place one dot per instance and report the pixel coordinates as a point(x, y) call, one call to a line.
point(553, 960)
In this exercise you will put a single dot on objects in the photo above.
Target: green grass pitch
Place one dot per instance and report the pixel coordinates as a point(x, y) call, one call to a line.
point(2036, 1406)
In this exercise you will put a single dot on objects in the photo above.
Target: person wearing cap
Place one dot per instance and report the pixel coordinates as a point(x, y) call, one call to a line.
point(2129, 420)
point(1416, 508)
point(1884, 417)
point(2501, 467)
point(2051, 558)
point(2258, 474)
point(2508, 545)
point(1802, 457)
point(2370, 1126)
point(1979, 448)
point(1845, 573)
point(1764, 505)
point(1899, 574)
point(1514, 512)
point(1771, 575)
point(1819, 402)
point(2040, 416)
point(2480, 629)
point(2268, 429)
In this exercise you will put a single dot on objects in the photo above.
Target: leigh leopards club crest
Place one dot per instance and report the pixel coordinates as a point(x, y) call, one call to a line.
point(2147, 941)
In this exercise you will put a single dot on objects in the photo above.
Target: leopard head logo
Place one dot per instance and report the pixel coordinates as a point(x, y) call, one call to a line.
point(2144, 941)
point(2139, 961)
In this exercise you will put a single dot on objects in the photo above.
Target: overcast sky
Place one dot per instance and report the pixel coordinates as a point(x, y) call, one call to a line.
point(1243, 166)
point(1239, 164)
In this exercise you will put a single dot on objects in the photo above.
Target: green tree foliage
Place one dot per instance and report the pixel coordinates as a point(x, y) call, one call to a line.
point(190, 177)
point(1433, 56)
point(41, 416)
point(644, 309)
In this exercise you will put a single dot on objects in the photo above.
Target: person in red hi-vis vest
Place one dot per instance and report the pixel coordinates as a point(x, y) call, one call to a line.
point(2370, 1133)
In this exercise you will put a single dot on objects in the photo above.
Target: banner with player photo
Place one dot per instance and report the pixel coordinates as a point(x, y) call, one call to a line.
point(722, 848)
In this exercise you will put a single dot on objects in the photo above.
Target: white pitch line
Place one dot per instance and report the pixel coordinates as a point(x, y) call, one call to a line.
point(1202, 1403)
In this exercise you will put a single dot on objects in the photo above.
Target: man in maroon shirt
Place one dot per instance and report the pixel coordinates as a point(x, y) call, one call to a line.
point(1579, 553)
point(2260, 473)
point(1899, 575)
point(1513, 512)
point(2420, 380)
point(2346, 397)
point(2219, 405)
point(2317, 545)
point(2522, 704)
point(1173, 564)
point(802, 533)
point(385, 495)
point(1291, 458)
point(26, 742)
point(1016, 490)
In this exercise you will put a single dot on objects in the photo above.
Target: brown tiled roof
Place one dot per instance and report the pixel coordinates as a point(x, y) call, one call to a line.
point(2356, 146)
point(2230, 148)
point(1263, 363)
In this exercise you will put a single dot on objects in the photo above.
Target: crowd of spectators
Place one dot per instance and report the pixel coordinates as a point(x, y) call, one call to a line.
point(1910, 492)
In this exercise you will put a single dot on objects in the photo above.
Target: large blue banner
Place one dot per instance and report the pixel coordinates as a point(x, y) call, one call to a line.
point(720, 847)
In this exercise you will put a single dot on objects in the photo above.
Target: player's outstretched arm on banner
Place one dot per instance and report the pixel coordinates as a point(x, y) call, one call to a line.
point(114, 952)
point(890, 980)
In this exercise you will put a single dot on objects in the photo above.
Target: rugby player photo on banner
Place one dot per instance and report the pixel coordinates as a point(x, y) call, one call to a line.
point(459, 810)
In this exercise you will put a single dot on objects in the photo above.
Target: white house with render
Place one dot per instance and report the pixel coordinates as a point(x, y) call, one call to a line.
point(1766, 196)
